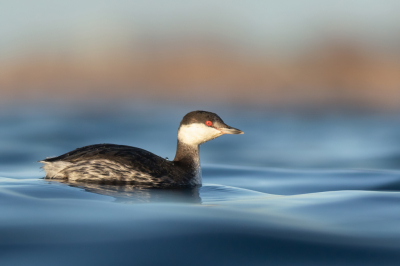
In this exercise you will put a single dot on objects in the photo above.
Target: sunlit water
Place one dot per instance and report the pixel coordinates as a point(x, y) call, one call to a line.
point(294, 190)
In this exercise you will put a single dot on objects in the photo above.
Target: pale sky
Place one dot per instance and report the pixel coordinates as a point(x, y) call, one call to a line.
point(281, 25)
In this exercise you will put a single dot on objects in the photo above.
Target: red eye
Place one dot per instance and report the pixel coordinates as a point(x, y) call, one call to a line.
point(209, 123)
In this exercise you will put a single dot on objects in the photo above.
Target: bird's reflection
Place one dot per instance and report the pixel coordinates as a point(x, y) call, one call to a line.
point(132, 193)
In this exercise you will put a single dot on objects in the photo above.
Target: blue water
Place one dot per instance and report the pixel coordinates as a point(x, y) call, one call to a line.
point(295, 189)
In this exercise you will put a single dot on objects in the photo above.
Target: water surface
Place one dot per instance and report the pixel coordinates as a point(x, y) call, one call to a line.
point(294, 190)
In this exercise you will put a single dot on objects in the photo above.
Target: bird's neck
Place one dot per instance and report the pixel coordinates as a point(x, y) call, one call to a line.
point(187, 157)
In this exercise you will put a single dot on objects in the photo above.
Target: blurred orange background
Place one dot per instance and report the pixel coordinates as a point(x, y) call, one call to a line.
point(279, 54)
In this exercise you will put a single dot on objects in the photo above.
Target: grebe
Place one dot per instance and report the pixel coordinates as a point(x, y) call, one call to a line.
point(110, 163)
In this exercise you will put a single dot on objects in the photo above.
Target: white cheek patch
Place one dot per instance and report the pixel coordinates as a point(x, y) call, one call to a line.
point(196, 134)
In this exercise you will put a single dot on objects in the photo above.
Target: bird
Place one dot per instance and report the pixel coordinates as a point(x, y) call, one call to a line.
point(122, 164)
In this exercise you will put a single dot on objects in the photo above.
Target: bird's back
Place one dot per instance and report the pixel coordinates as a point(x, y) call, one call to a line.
point(114, 163)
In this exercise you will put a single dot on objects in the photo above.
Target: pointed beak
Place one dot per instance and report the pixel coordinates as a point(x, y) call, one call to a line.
point(230, 130)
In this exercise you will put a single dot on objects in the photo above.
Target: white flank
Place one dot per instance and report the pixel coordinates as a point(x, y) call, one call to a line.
point(54, 169)
point(196, 133)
